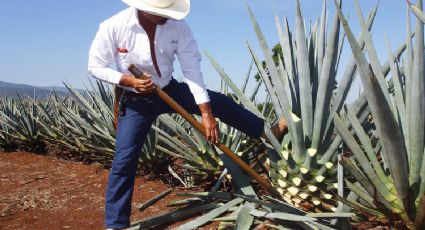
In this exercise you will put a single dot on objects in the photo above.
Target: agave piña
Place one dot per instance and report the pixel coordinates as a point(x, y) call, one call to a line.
point(301, 88)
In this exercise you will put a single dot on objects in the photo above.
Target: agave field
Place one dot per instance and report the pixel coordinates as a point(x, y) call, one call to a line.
point(341, 165)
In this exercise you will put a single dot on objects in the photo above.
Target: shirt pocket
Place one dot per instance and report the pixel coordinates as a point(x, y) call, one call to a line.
point(123, 54)
point(123, 57)
point(126, 59)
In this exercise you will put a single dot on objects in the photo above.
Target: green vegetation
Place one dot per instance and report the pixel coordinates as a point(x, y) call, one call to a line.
point(394, 185)
point(367, 156)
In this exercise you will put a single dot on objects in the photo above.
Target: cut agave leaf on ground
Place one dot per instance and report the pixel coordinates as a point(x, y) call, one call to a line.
point(152, 201)
point(219, 181)
point(244, 219)
point(209, 216)
point(215, 195)
point(171, 217)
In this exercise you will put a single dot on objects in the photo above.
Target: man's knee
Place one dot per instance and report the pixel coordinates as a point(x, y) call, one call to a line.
point(125, 160)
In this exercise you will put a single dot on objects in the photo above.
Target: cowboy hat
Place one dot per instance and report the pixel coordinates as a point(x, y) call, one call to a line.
point(175, 9)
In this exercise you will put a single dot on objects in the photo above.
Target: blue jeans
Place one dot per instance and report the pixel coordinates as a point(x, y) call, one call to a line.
point(135, 123)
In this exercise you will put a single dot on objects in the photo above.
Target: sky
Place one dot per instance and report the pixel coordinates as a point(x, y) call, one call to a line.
point(46, 42)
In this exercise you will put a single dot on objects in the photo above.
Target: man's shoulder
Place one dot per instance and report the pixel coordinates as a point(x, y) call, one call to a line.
point(120, 19)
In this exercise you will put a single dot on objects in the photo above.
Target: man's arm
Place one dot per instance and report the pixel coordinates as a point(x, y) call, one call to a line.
point(190, 58)
point(102, 56)
point(190, 62)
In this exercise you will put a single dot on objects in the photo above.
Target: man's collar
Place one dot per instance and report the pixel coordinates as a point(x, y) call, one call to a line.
point(134, 20)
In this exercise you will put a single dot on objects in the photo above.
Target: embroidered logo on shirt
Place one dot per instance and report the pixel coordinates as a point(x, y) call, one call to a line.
point(122, 50)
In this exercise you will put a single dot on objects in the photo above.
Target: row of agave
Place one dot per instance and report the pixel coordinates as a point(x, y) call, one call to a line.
point(83, 123)
point(387, 168)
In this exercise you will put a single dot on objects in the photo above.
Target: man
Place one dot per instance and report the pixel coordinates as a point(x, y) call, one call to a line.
point(149, 34)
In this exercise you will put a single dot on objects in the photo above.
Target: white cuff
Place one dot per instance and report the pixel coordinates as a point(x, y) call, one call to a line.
point(201, 98)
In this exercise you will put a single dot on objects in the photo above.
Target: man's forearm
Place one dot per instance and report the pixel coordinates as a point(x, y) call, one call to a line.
point(126, 81)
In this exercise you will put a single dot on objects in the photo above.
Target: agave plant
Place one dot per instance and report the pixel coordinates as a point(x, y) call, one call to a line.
point(390, 171)
point(301, 89)
point(89, 121)
point(51, 120)
point(5, 139)
point(19, 123)
point(417, 11)
point(80, 123)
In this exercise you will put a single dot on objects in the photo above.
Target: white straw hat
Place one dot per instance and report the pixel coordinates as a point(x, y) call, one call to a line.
point(175, 9)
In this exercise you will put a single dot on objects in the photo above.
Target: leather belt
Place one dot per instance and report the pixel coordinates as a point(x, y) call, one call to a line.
point(133, 94)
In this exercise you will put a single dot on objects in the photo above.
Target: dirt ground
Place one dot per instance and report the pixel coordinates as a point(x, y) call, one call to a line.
point(40, 192)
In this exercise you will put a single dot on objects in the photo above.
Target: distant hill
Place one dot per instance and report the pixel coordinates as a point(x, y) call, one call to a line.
point(12, 90)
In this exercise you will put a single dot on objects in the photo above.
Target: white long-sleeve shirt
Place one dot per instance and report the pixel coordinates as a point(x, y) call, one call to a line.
point(121, 41)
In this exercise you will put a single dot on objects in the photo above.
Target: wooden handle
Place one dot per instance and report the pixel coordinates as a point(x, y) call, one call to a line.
point(117, 95)
point(189, 118)
point(136, 72)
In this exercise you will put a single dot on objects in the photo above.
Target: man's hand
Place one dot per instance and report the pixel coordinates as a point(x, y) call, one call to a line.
point(145, 86)
point(209, 123)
